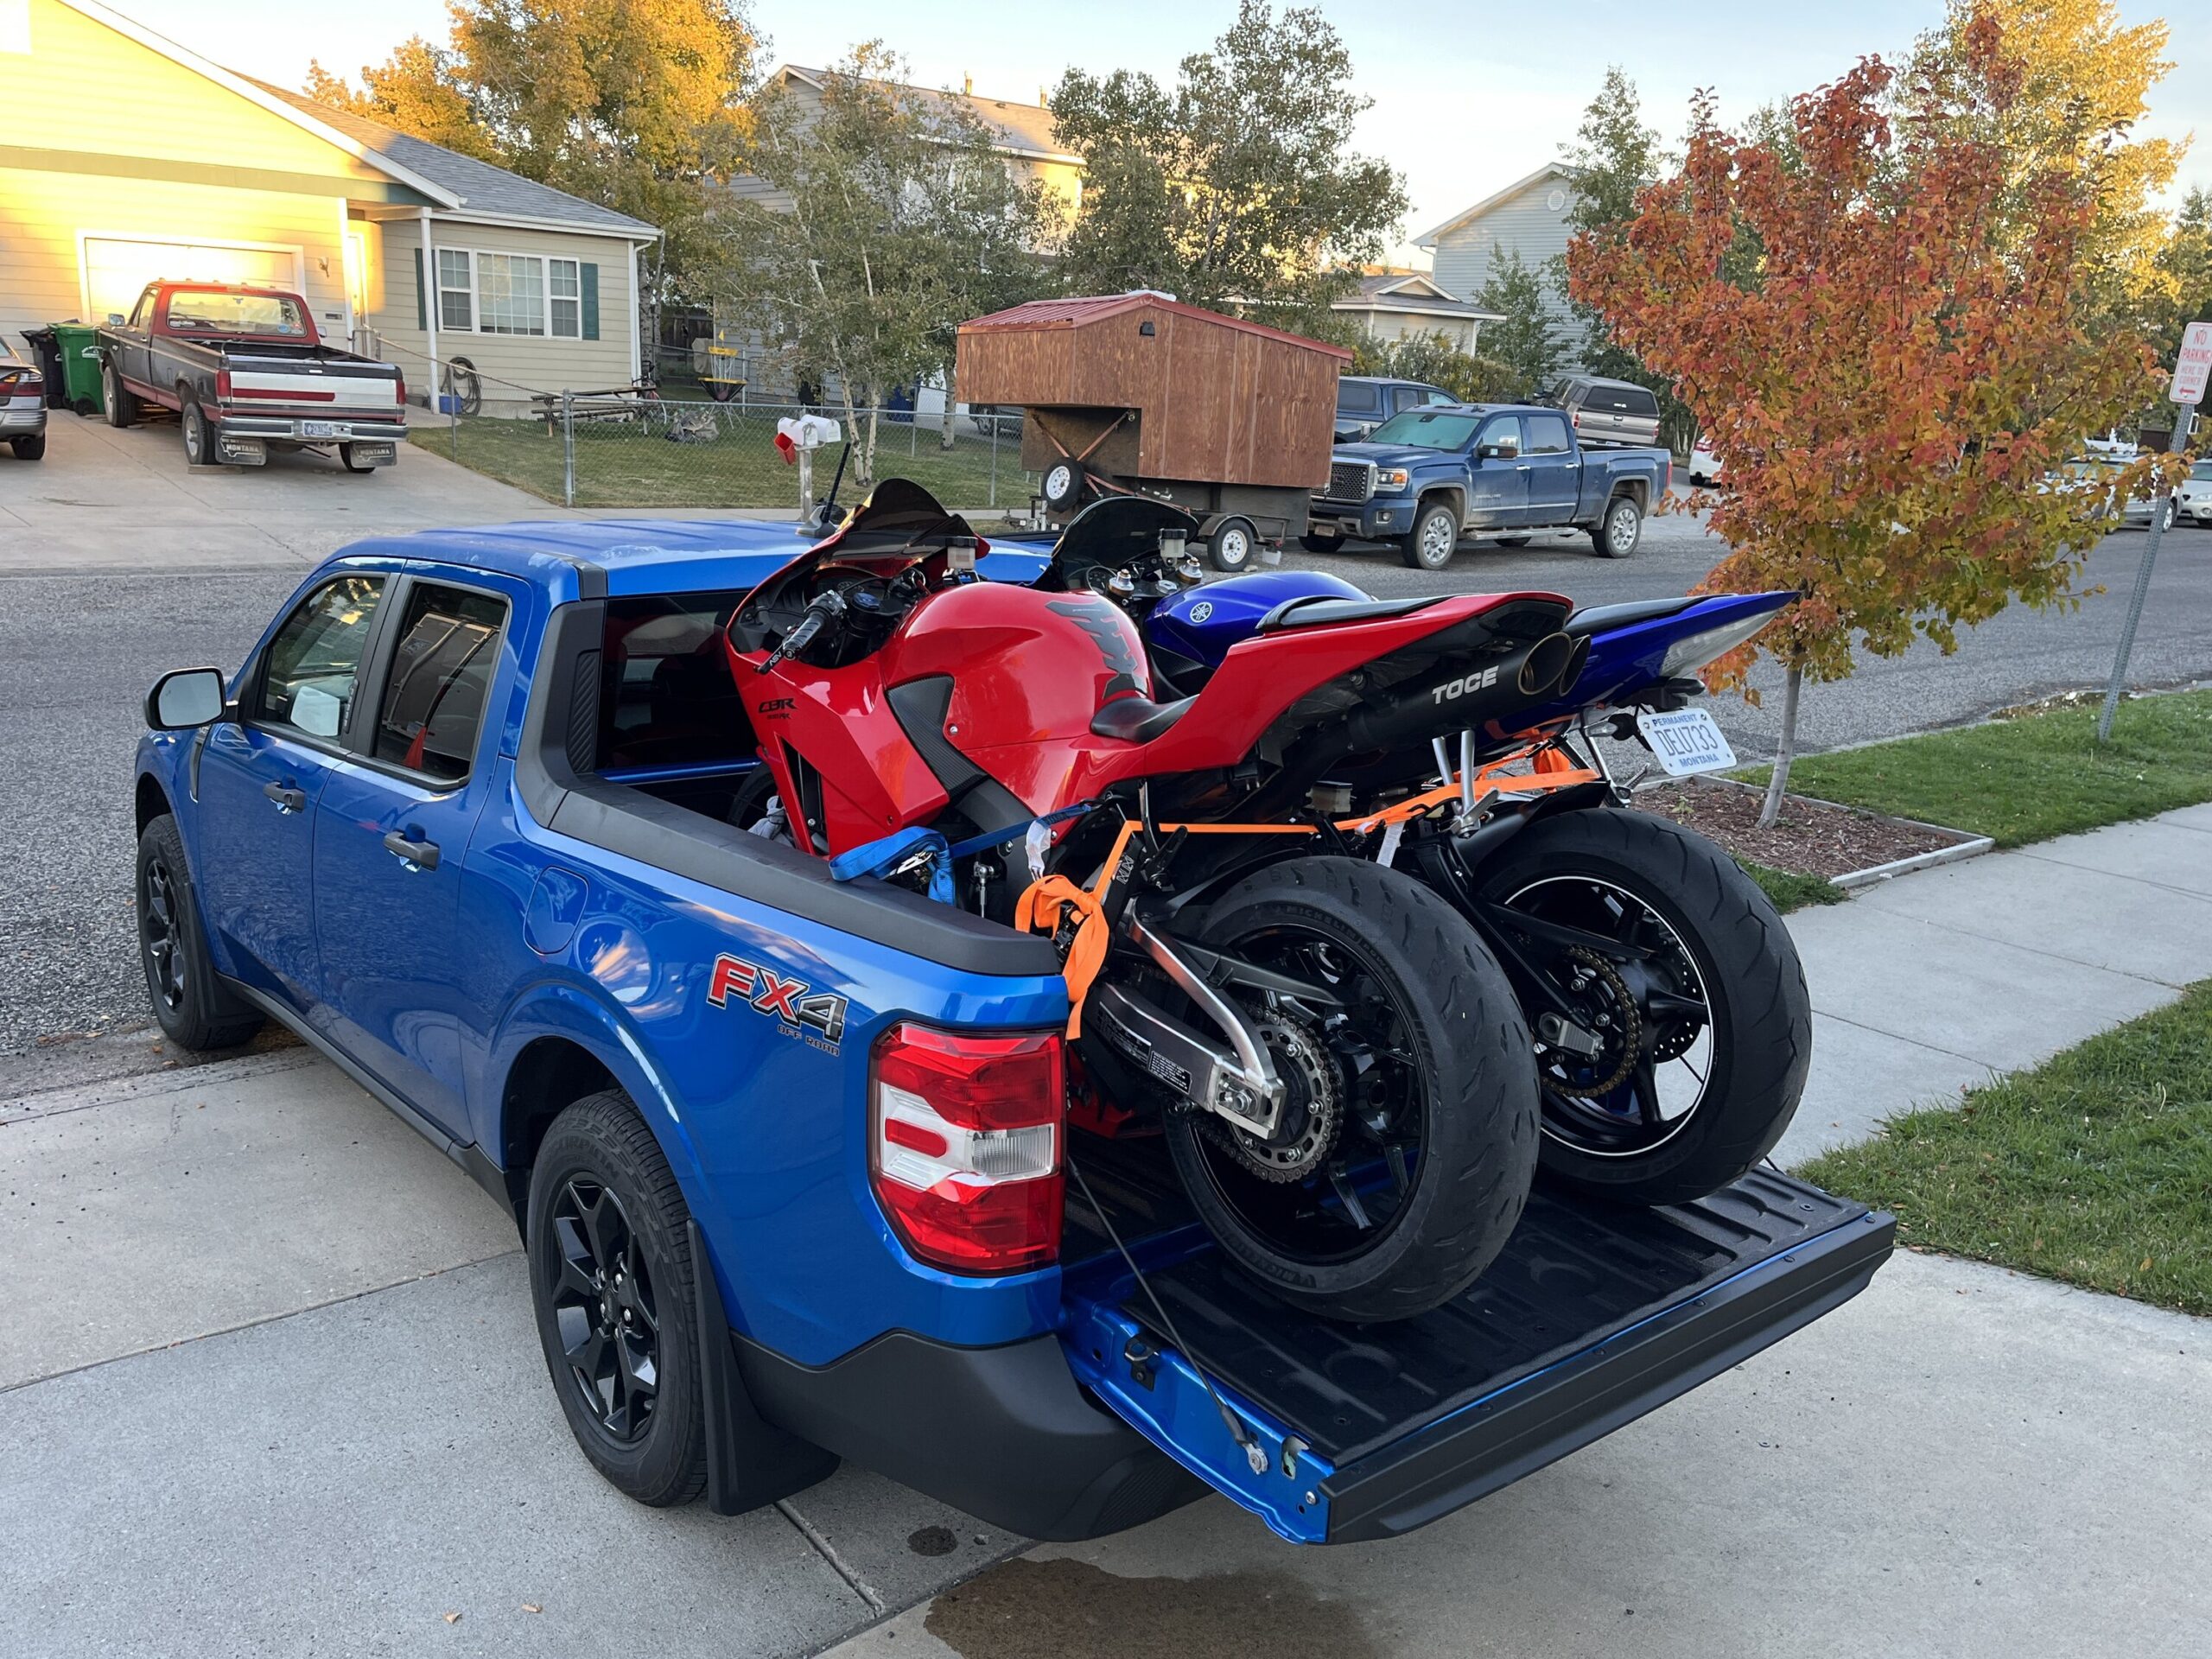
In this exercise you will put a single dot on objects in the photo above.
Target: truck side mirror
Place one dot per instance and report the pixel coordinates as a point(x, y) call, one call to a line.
point(1498, 452)
point(186, 698)
point(115, 318)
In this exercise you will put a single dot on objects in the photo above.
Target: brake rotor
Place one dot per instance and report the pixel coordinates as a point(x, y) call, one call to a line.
point(1622, 1036)
point(1312, 1106)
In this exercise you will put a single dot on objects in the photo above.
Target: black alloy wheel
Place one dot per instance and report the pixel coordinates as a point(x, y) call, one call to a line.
point(194, 1007)
point(604, 1304)
point(161, 928)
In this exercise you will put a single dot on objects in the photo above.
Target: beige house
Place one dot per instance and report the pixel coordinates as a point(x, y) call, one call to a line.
point(179, 169)
point(1527, 218)
point(1405, 304)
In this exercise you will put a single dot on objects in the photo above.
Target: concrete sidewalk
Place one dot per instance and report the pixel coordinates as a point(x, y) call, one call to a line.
point(283, 1394)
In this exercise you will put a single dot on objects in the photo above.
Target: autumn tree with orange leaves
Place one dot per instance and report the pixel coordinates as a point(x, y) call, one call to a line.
point(1890, 373)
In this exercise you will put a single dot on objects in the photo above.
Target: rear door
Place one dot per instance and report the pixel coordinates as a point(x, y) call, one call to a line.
point(1553, 473)
point(259, 781)
point(392, 829)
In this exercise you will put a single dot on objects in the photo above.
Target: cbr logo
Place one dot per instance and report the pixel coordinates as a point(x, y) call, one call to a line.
point(777, 706)
point(1461, 687)
point(787, 1000)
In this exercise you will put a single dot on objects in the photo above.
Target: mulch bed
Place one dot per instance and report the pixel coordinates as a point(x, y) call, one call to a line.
point(1810, 838)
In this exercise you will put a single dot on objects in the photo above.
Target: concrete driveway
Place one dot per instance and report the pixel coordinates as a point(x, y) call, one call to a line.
point(125, 500)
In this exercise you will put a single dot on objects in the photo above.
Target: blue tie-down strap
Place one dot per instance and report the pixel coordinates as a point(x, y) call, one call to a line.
point(881, 857)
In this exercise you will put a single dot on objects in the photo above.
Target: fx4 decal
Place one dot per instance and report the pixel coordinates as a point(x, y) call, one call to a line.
point(789, 1001)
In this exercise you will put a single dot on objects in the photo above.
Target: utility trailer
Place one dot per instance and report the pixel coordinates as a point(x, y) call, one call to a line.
point(1138, 393)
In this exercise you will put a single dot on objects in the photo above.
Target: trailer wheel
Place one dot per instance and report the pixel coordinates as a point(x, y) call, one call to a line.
point(1065, 482)
point(1231, 545)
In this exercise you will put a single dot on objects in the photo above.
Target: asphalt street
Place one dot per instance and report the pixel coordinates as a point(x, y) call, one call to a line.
point(77, 651)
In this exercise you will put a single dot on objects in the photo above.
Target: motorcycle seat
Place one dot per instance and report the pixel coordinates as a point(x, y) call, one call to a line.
point(1596, 618)
point(1139, 719)
point(1323, 610)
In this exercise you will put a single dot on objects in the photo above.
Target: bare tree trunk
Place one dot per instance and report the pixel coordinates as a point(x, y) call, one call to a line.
point(863, 455)
point(875, 414)
point(1778, 784)
point(951, 392)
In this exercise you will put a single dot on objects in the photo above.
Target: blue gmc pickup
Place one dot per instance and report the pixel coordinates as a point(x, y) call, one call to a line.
point(463, 820)
point(1426, 478)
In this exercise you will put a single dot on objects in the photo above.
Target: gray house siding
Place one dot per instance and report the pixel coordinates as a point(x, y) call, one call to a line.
point(1526, 222)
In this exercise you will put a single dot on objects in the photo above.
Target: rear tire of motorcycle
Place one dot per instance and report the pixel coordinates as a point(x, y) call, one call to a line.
point(1472, 1049)
point(1755, 986)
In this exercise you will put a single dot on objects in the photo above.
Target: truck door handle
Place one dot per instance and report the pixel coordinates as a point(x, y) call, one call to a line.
point(421, 854)
point(1522, 467)
point(288, 799)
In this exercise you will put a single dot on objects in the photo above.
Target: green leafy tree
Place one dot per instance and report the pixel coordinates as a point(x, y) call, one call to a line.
point(1432, 359)
point(1238, 190)
point(638, 105)
point(892, 219)
point(1526, 340)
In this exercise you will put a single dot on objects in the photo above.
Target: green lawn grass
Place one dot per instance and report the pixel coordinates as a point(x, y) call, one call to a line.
point(629, 464)
point(2031, 776)
point(1787, 890)
point(2094, 1168)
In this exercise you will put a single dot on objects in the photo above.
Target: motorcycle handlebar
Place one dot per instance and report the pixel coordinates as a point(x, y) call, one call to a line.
point(826, 608)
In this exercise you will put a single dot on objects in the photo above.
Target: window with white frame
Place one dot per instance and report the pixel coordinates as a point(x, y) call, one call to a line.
point(486, 293)
point(509, 293)
point(456, 292)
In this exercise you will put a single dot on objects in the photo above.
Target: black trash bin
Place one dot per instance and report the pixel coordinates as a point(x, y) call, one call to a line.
point(46, 352)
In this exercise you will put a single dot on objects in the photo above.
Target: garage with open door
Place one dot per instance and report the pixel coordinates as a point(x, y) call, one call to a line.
point(116, 269)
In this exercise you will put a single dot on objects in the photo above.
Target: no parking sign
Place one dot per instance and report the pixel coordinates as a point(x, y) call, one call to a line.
point(2194, 365)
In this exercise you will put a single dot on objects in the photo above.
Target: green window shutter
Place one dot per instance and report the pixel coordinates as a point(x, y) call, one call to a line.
point(422, 300)
point(589, 273)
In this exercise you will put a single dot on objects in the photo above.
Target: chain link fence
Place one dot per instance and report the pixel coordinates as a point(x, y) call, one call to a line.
point(633, 447)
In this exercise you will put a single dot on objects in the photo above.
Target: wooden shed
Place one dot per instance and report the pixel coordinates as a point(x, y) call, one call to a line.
point(1177, 393)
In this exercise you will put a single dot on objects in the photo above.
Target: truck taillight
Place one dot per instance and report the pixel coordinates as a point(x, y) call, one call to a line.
point(965, 1146)
point(399, 386)
point(222, 385)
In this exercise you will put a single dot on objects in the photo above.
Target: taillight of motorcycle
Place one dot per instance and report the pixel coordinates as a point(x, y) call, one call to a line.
point(965, 1146)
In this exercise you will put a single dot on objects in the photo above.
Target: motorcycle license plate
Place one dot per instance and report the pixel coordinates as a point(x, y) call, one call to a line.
point(1685, 742)
point(318, 428)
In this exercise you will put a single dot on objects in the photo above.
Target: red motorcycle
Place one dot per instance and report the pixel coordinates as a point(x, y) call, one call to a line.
point(1341, 1071)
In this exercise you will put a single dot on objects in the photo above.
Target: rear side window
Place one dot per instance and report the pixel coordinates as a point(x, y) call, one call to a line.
point(314, 665)
point(1547, 434)
point(433, 708)
point(1358, 398)
point(666, 697)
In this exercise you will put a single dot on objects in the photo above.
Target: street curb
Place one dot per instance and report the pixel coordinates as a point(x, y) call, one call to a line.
point(1965, 843)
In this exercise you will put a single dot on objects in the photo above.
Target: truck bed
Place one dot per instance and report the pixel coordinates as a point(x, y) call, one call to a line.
point(1593, 1315)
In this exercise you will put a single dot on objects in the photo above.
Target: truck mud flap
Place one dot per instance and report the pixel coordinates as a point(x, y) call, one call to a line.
point(1593, 1315)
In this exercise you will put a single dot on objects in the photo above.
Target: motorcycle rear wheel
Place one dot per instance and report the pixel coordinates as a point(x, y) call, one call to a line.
point(1655, 1137)
point(1428, 1063)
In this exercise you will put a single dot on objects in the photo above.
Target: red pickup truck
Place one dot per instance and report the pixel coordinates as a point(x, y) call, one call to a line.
point(246, 372)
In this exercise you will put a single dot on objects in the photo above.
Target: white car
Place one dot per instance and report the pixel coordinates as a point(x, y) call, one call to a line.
point(1705, 466)
point(22, 406)
point(2197, 493)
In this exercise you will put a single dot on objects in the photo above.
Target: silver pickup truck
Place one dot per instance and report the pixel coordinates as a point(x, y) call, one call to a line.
point(245, 372)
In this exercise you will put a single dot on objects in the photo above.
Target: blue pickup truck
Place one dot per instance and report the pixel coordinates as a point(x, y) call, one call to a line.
point(463, 821)
point(1427, 478)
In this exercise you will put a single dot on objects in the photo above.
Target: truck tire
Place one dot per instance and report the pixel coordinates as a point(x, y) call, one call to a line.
point(1620, 529)
point(1232, 544)
point(346, 455)
point(199, 441)
point(1713, 933)
point(195, 1010)
point(1327, 541)
point(611, 1280)
point(1433, 539)
point(1457, 1084)
point(121, 403)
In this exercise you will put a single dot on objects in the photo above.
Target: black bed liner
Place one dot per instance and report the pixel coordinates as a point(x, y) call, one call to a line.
point(1592, 1315)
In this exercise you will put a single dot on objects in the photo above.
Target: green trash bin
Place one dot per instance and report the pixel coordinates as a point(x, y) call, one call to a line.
point(78, 345)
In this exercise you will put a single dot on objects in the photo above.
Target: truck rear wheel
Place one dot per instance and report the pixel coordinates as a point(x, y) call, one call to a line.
point(198, 443)
point(1620, 529)
point(1410, 1122)
point(611, 1280)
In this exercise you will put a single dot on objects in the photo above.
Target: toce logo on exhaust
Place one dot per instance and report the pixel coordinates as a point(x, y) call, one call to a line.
point(1461, 687)
point(793, 1004)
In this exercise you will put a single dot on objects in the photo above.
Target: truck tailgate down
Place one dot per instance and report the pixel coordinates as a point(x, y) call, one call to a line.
point(1592, 1316)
